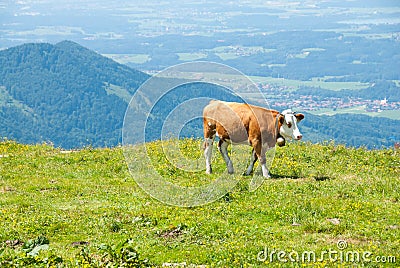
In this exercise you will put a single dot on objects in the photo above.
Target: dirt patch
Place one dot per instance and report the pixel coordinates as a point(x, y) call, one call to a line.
point(174, 232)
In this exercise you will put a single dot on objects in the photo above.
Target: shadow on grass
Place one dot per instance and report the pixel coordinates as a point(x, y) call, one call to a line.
point(323, 178)
point(296, 177)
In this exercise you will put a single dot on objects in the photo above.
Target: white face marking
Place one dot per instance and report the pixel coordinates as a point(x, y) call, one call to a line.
point(289, 127)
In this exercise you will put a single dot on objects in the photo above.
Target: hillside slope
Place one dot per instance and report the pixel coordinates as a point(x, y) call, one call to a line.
point(320, 198)
point(64, 94)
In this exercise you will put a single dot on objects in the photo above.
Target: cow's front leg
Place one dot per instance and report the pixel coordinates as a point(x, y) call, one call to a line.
point(208, 146)
point(223, 148)
point(263, 162)
point(252, 162)
point(260, 152)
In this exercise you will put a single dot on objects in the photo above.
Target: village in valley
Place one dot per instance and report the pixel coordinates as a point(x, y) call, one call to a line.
point(280, 96)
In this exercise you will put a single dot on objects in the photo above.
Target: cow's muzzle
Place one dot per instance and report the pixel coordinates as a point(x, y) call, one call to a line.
point(298, 137)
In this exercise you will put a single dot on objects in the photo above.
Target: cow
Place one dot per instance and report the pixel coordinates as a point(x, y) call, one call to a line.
point(242, 123)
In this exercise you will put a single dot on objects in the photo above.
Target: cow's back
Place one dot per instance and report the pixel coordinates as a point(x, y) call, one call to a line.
point(226, 120)
point(239, 122)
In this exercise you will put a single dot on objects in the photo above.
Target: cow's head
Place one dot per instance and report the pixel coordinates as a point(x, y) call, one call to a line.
point(288, 124)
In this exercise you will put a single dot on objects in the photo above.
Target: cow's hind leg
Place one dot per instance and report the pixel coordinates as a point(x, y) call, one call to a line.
point(208, 146)
point(252, 162)
point(209, 136)
point(223, 149)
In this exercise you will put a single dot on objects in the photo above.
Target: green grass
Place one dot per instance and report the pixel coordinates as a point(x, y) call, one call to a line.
point(121, 92)
point(318, 195)
point(7, 100)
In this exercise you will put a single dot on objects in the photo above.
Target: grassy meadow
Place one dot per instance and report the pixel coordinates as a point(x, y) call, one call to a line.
point(325, 206)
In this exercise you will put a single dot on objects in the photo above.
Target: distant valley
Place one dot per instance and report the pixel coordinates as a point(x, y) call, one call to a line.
point(324, 57)
point(70, 96)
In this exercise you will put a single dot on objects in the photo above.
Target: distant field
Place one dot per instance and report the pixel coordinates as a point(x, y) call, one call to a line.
point(316, 82)
point(191, 56)
point(353, 110)
point(392, 114)
point(290, 84)
point(129, 58)
point(224, 53)
point(233, 52)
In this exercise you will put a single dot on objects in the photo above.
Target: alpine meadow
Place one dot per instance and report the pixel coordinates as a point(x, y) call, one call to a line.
point(83, 209)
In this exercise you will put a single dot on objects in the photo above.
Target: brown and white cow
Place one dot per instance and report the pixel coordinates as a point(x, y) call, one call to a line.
point(241, 123)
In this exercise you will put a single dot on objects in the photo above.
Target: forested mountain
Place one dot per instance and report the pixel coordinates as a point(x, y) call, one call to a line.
point(352, 130)
point(64, 94)
point(73, 97)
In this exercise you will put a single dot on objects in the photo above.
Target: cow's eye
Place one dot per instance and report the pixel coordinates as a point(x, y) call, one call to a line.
point(289, 125)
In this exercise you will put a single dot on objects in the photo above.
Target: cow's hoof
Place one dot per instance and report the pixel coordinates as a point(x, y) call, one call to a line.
point(267, 175)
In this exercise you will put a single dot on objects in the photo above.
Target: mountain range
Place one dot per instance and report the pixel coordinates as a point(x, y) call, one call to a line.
point(70, 96)
point(64, 94)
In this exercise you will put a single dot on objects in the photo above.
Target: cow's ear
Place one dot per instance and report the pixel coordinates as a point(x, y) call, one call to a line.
point(299, 117)
point(281, 119)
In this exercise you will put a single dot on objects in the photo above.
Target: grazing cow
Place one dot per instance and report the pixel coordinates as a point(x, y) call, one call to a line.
point(241, 123)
